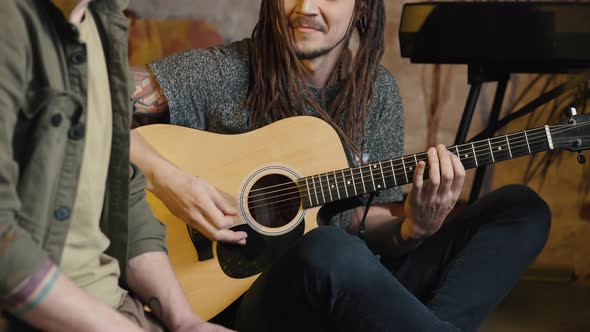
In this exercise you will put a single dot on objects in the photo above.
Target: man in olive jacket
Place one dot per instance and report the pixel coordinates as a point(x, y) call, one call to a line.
point(79, 247)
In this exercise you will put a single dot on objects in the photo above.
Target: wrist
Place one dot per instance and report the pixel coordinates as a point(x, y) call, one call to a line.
point(405, 243)
point(162, 172)
point(179, 322)
point(173, 312)
point(410, 231)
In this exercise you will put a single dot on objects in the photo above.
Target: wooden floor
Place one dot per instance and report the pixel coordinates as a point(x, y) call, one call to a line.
point(552, 303)
point(535, 306)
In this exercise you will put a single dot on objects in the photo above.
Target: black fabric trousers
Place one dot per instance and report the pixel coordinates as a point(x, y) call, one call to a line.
point(331, 281)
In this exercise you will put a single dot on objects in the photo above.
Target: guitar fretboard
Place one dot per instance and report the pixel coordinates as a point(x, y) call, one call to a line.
point(350, 182)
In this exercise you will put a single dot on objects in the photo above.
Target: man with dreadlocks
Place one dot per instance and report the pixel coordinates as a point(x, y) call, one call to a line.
point(409, 273)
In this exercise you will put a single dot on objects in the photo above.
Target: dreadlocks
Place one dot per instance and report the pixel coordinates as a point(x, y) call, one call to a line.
point(277, 88)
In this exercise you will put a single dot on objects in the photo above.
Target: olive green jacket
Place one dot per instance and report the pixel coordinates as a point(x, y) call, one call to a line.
point(43, 81)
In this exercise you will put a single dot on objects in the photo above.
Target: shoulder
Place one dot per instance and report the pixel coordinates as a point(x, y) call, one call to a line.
point(14, 13)
point(18, 19)
point(386, 98)
point(384, 129)
point(232, 59)
point(385, 81)
point(213, 60)
point(16, 6)
point(236, 52)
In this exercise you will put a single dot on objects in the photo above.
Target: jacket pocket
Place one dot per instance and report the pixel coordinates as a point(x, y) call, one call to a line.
point(44, 98)
point(40, 144)
point(46, 111)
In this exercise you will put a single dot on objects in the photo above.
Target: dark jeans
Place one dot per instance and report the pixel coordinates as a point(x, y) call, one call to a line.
point(331, 281)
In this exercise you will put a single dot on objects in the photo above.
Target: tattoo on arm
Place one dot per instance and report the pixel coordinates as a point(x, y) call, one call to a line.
point(149, 102)
point(156, 307)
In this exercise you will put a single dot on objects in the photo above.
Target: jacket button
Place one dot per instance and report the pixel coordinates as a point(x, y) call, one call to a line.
point(78, 57)
point(74, 30)
point(62, 213)
point(56, 120)
point(76, 132)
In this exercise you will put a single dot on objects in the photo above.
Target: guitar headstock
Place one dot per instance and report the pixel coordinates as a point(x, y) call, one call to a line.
point(572, 134)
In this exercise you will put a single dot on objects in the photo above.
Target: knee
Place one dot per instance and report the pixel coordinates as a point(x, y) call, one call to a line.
point(333, 257)
point(529, 211)
point(329, 248)
point(523, 201)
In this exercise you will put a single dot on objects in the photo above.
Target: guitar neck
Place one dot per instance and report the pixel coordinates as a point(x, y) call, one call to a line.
point(337, 185)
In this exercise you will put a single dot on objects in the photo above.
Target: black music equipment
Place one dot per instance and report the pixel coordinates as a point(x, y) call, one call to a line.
point(496, 39)
point(519, 36)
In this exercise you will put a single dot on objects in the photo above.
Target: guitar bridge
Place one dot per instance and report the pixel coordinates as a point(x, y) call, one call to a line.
point(203, 246)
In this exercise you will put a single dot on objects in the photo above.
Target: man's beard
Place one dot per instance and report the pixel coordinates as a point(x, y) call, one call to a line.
point(312, 54)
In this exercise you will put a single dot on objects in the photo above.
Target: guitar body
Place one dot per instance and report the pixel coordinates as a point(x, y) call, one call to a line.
point(292, 148)
point(274, 172)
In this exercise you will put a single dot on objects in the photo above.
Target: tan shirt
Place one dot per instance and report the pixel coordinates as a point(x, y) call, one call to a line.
point(83, 257)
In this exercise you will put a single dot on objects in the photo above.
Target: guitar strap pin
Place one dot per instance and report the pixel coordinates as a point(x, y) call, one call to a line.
point(581, 158)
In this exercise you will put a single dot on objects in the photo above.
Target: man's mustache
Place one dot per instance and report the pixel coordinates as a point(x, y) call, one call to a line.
point(308, 22)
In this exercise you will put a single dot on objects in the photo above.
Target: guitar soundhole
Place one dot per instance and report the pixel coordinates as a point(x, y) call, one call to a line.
point(274, 200)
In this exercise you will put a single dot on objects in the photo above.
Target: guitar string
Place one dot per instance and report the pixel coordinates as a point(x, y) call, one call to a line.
point(298, 197)
point(387, 174)
point(466, 148)
point(462, 150)
point(533, 138)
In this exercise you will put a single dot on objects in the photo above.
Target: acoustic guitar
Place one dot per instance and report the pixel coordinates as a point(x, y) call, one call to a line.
point(280, 175)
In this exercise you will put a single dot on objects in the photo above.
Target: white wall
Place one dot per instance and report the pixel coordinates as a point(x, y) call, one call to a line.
point(234, 18)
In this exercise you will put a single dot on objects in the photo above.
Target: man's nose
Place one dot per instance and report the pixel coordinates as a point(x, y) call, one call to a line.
point(307, 7)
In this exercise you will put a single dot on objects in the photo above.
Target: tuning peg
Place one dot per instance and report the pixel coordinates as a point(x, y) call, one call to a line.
point(581, 158)
point(570, 112)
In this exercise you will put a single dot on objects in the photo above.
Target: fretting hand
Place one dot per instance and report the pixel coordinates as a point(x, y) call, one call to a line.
point(430, 201)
